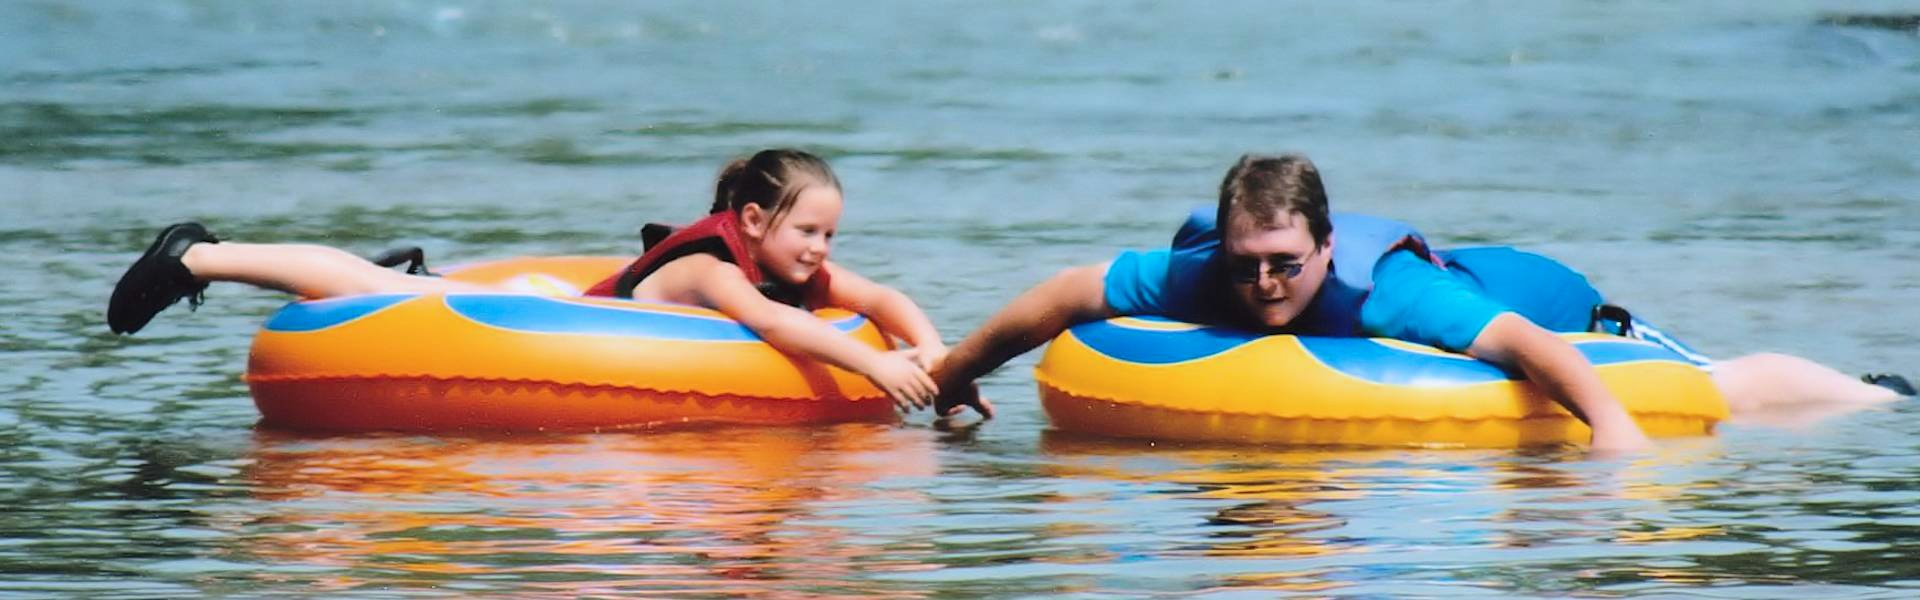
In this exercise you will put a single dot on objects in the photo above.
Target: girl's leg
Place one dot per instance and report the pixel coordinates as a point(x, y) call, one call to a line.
point(309, 271)
point(1782, 389)
point(185, 257)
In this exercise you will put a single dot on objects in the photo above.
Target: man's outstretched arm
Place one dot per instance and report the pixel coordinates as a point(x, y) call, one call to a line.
point(1072, 296)
point(1561, 372)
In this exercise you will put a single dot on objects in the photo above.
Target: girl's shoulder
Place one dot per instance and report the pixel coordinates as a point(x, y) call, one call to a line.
point(680, 279)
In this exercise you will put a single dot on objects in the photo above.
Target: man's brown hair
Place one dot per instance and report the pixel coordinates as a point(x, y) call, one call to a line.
point(1266, 187)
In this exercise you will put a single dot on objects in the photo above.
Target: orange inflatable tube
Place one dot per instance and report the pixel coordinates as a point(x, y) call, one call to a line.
point(538, 357)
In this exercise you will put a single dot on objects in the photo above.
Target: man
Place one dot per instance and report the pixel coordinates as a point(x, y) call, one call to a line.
point(1271, 257)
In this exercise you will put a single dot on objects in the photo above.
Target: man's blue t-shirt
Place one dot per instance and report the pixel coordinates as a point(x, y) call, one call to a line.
point(1411, 299)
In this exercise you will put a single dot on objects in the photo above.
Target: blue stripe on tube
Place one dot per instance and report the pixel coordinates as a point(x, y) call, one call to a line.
point(535, 314)
point(1362, 358)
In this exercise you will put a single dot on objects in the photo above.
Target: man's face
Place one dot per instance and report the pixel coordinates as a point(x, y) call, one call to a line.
point(1274, 269)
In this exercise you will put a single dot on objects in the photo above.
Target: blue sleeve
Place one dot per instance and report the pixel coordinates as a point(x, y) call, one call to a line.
point(1173, 282)
point(1414, 300)
point(1135, 282)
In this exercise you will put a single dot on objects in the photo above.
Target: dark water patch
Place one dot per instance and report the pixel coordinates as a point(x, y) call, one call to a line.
point(919, 155)
point(566, 152)
point(880, 95)
point(1131, 79)
point(1502, 187)
point(220, 149)
point(30, 383)
point(1827, 285)
point(1047, 233)
point(513, 235)
point(1520, 125)
point(1871, 203)
point(1895, 339)
point(1462, 238)
point(50, 560)
point(149, 469)
point(726, 128)
point(560, 151)
point(1872, 567)
point(1888, 166)
point(357, 164)
point(354, 225)
point(467, 534)
point(962, 104)
point(70, 270)
point(1767, 220)
point(229, 388)
point(31, 237)
point(1770, 49)
point(1397, 123)
point(1371, 57)
point(1849, 239)
point(95, 346)
point(932, 75)
point(54, 133)
point(1837, 48)
point(1903, 23)
point(1139, 163)
point(144, 75)
point(57, 119)
point(1631, 577)
point(1267, 119)
point(1899, 105)
point(540, 107)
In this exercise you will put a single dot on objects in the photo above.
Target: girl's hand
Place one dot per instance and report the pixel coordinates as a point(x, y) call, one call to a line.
point(901, 377)
point(930, 356)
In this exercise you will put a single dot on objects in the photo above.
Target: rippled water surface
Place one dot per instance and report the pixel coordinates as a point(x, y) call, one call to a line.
point(1744, 173)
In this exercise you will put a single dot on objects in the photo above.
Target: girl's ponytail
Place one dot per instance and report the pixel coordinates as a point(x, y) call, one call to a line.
point(771, 179)
point(724, 186)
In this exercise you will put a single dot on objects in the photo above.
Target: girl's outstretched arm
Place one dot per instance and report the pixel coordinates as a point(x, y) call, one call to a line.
point(889, 308)
point(794, 331)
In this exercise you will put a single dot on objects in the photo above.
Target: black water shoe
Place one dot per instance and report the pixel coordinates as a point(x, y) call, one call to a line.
point(158, 279)
point(1890, 381)
point(412, 256)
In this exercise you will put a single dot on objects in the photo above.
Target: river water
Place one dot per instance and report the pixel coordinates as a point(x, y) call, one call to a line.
point(1743, 173)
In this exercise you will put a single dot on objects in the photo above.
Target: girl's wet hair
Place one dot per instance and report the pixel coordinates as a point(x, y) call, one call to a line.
point(771, 179)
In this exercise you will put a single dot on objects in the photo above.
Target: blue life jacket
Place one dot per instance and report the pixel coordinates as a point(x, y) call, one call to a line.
point(1360, 242)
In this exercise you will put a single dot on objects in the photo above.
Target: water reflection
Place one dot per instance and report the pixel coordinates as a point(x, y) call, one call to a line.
point(1264, 504)
point(726, 512)
point(1540, 520)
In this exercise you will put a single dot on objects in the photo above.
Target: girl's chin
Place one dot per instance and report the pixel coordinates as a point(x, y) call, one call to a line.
point(792, 275)
point(798, 276)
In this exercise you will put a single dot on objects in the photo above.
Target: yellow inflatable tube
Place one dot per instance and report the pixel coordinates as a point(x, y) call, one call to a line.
point(540, 358)
point(1165, 380)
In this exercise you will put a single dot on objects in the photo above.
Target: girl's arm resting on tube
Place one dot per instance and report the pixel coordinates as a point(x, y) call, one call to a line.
point(794, 331)
point(892, 310)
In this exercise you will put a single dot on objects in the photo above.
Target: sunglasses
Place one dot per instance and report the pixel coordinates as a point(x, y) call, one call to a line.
point(1247, 269)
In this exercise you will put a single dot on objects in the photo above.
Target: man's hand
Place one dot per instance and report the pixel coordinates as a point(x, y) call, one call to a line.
point(955, 398)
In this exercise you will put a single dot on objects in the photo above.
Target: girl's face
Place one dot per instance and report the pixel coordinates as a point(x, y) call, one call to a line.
point(795, 245)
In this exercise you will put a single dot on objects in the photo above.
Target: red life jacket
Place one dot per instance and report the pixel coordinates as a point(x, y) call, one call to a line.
point(718, 235)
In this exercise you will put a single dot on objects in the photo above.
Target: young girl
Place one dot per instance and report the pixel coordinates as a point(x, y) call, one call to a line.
point(760, 258)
